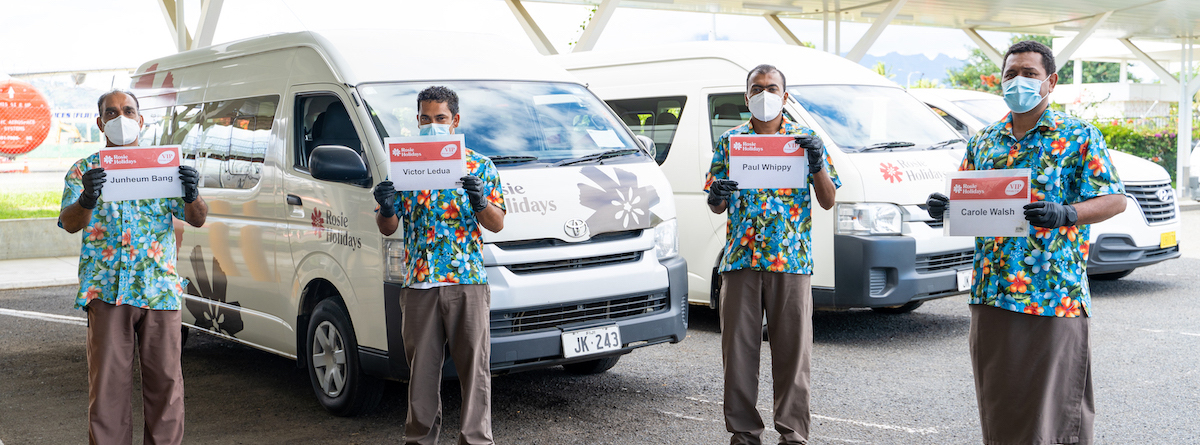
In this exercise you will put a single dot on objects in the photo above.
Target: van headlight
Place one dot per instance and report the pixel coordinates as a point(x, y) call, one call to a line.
point(869, 218)
point(393, 260)
point(666, 239)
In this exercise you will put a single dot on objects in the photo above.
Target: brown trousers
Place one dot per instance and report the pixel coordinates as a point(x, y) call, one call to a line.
point(459, 315)
point(114, 333)
point(1033, 377)
point(787, 301)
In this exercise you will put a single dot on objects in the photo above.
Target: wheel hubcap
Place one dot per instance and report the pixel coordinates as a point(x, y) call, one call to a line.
point(329, 359)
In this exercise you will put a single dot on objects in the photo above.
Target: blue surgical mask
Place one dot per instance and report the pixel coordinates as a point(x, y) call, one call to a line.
point(1023, 93)
point(434, 129)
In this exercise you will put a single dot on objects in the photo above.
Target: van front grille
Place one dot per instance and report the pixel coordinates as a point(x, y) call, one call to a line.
point(576, 263)
point(503, 323)
point(1154, 209)
point(944, 261)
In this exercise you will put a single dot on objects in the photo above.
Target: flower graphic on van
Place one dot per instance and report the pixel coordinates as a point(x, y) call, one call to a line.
point(216, 314)
point(318, 222)
point(890, 172)
point(619, 204)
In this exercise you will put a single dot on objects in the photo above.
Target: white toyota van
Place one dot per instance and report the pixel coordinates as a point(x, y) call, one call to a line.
point(1118, 245)
point(877, 247)
point(287, 131)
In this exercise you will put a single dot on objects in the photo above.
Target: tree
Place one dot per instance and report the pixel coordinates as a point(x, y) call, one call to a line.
point(979, 73)
point(883, 70)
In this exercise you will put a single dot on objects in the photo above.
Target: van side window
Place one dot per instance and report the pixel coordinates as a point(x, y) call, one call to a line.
point(183, 129)
point(323, 120)
point(656, 118)
point(730, 110)
point(236, 135)
point(958, 125)
point(155, 127)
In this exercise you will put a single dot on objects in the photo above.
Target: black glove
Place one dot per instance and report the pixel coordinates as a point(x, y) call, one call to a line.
point(93, 181)
point(474, 187)
point(815, 149)
point(720, 190)
point(190, 178)
point(937, 204)
point(1050, 215)
point(385, 195)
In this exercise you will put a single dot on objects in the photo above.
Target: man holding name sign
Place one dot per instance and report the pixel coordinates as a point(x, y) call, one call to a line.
point(766, 267)
point(127, 279)
point(446, 298)
point(1030, 301)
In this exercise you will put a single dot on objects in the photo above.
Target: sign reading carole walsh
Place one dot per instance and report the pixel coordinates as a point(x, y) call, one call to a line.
point(988, 203)
point(141, 172)
point(767, 162)
point(426, 162)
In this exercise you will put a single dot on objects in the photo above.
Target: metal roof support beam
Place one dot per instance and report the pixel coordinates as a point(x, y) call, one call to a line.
point(173, 14)
point(988, 50)
point(782, 29)
point(860, 49)
point(1183, 151)
point(1165, 76)
point(531, 28)
point(210, 12)
point(1063, 56)
point(591, 33)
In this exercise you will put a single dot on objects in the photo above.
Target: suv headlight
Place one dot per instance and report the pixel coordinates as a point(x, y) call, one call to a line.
point(869, 218)
point(666, 239)
point(393, 260)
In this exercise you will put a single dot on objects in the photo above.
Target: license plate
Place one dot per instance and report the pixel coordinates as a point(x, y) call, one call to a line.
point(591, 341)
point(1167, 240)
point(965, 279)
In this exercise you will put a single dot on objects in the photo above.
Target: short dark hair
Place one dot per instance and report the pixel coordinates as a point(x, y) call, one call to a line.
point(103, 97)
point(765, 69)
point(1030, 46)
point(439, 94)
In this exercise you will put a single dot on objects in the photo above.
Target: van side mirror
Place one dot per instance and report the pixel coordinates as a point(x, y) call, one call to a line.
point(647, 145)
point(337, 163)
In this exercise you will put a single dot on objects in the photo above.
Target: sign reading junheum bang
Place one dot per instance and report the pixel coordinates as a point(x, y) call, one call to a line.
point(141, 172)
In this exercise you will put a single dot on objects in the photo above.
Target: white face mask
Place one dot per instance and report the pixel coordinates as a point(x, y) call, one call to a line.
point(765, 106)
point(434, 129)
point(122, 130)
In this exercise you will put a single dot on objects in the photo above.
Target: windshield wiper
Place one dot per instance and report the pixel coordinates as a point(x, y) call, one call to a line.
point(945, 143)
point(514, 159)
point(887, 145)
point(598, 156)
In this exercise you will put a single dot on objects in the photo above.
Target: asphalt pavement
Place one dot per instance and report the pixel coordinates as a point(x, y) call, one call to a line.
point(877, 379)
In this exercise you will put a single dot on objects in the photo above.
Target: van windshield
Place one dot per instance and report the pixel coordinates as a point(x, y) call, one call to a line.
point(863, 118)
point(513, 123)
point(988, 111)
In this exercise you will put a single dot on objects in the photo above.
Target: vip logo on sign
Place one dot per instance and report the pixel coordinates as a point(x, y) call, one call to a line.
point(1014, 187)
point(576, 228)
point(449, 150)
point(1165, 195)
point(791, 147)
point(166, 157)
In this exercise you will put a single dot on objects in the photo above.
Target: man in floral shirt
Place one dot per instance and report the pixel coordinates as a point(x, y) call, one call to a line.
point(129, 288)
point(1030, 301)
point(766, 267)
point(446, 296)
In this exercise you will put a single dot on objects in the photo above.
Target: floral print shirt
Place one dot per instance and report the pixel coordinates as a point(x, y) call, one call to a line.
point(442, 240)
point(128, 253)
point(1044, 273)
point(767, 229)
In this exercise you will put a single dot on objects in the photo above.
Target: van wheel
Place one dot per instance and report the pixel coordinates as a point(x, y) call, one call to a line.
point(183, 337)
point(1110, 276)
point(901, 309)
point(592, 366)
point(333, 368)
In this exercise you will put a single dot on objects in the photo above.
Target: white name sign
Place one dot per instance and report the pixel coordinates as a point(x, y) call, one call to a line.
point(140, 173)
point(426, 162)
point(767, 162)
point(988, 203)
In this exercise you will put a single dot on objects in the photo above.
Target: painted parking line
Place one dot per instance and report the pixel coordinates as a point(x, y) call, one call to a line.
point(80, 321)
point(922, 431)
point(768, 428)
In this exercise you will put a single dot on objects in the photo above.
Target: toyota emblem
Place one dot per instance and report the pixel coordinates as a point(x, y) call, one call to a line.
point(576, 228)
point(1165, 194)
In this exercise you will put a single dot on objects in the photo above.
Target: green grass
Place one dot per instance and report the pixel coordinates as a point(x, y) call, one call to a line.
point(19, 205)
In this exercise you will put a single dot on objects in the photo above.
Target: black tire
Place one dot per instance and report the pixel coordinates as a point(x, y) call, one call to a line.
point(357, 392)
point(1111, 276)
point(592, 366)
point(183, 337)
point(901, 309)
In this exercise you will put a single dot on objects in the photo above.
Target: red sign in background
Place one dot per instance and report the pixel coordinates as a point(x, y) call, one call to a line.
point(24, 118)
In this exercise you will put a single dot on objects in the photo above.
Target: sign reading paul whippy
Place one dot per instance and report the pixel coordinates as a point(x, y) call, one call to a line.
point(141, 172)
point(988, 203)
point(767, 162)
point(426, 162)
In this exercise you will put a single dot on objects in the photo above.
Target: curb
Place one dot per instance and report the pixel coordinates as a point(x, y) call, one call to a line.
point(49, 282)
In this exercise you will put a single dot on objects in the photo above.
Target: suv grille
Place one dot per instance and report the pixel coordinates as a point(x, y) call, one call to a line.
point(547, 318)
point(1155, 210)
point(944, 261)
point(577, 263)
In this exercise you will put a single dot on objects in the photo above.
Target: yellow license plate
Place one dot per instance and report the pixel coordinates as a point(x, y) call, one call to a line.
point(1167, 240)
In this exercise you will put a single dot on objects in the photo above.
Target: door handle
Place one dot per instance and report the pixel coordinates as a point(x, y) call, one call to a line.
point(294, 200)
